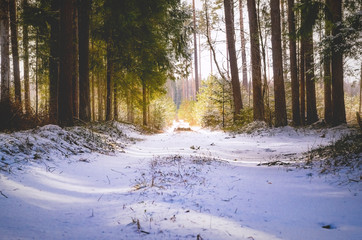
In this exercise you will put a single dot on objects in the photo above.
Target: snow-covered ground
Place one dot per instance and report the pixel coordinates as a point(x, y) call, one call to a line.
point(57, 184)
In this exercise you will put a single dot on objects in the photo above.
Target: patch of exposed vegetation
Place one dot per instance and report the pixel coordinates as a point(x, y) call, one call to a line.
point(342, 156)
point(51, 141)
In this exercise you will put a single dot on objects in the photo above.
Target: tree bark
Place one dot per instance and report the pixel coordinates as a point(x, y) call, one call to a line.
point(5, 65)
point(243, 47)
point(293, 64)
point(258, 105)
point(100, 98)
point(37, 73)
point(338, 105)
point(279, 91)
point(109, 78)
point(328, 111)
point(26, 62)
point(115, 101)
point(15, 52)
point(307, 44)
point(312, 116)
point(65, 99)
point(75, 72)
point(230, 35)
point(144, 102)
point(93, 97)
point(195, 51)
point(54, 63)
point(84, 88)
point(284, 38)
point(302, 84)
point(5, 60)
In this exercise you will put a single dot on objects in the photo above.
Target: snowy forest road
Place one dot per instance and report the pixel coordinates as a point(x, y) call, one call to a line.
point(182, 185)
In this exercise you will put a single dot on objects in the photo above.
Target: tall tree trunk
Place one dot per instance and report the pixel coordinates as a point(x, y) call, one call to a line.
point(265, 58)
point(15, 52)
point(200, 50)
point(132, 108)
point(338, 106)
point(312, 116)
point(195, 51)
point(5, 64)
point(307, 43)
point(209, 36)
point(84, 89)
point(37, 73)
point(115, 101)
point(293, 64)
point(283, 38)
point(65, 97)
point(109, 78)
point(302, 84)
point(144, 102)
point(230, 35)
point(100, 98)
point(243, 47)
point(208, 32)
point(93, 97)
point(26, 62)
point(54, 63)
point(148, 97)
point(328, 111)
point(279, 91)
point(128, 103)
point(258, 105)
point(75, 73)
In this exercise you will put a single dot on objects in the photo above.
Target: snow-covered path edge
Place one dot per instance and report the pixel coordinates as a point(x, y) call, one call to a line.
point(180, 186)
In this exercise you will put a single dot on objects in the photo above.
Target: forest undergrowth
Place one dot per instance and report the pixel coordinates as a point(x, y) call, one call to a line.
point(49, 141)
point(342, 158)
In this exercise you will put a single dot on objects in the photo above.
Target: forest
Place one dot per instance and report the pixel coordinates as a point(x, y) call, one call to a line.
point(181, 119)
point(80, 61)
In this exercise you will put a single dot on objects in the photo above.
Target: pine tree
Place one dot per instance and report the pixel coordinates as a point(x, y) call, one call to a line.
point(15, 52)
point(338, 106)
point(54, 62)
point(328, 111)
point(243, 47)
point(24, 5)
point(293, 64)
point(109, 88)
point(279, 91)
point(84, 88)
point(5, 64)
point(65, 99)
point(230, 36)
point(258, 105)
point(195, 50)
point(75, 71)
point(307, 45)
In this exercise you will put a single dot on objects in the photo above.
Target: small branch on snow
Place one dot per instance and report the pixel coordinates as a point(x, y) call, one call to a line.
point(353, 180)
point(116, 171)
point(92, 214)
point(100, 197)
point(109, 181)
point(3, 194)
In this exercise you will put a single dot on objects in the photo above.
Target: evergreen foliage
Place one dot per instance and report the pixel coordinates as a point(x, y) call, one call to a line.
point(138, 48)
